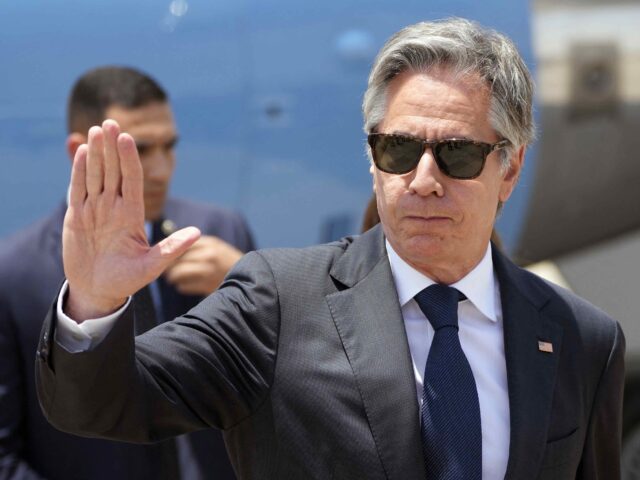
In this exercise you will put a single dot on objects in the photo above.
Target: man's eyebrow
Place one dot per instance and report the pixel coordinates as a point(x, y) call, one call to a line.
point(404, 133)
point(444, 137)
point(168, 144)
point(173, 142)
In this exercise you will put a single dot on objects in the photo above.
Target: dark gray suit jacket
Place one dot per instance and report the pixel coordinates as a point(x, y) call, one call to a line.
point(30, 274)
point(302, 359)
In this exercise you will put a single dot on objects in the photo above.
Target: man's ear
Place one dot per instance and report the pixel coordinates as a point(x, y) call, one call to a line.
point(512, 174)
point(74, 140)
point(373, 175)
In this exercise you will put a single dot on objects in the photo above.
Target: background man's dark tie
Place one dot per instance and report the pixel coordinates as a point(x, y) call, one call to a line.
point(451, 431)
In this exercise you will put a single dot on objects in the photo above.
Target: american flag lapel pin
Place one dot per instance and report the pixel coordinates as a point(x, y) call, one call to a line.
point(546, 347)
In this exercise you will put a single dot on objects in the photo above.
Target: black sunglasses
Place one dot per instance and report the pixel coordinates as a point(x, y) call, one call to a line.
point(456, 158)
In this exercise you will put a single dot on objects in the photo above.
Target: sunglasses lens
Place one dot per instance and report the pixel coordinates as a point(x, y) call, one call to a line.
point(460, 159)
point(396, 154)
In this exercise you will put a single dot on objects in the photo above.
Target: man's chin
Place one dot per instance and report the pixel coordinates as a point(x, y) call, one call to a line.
point(421, 246)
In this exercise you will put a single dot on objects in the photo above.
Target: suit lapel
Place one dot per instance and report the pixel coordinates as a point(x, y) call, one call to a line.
point(531, 372)
point(368, 318)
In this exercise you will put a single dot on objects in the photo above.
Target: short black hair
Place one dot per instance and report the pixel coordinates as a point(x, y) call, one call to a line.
point(101, 88)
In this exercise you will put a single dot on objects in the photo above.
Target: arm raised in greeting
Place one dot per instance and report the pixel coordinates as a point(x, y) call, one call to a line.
point(105, 250)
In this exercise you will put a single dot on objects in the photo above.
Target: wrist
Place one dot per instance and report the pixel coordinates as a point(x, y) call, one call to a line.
point(79, 306)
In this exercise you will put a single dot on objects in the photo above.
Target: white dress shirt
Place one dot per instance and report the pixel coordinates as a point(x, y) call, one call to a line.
point(482, 340)
point(481, 337)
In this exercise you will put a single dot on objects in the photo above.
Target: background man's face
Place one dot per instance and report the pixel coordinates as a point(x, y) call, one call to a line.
point(153, 128)
point(434, 222)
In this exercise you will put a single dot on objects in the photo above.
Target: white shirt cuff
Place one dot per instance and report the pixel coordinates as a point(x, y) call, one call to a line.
point(85, 336)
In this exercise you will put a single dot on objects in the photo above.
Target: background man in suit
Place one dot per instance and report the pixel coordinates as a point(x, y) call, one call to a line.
point(31, 271)
point(413, 351)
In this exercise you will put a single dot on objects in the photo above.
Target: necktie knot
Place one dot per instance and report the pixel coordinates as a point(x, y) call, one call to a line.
point(439, 303)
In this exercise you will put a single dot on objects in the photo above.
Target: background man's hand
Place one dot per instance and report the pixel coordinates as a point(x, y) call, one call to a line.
point(105, 252)
point(203, 267)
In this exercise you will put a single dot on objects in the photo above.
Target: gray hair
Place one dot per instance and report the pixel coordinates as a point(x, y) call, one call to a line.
point(466, 48)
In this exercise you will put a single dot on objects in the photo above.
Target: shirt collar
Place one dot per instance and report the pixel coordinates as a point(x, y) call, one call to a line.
point(478, 285)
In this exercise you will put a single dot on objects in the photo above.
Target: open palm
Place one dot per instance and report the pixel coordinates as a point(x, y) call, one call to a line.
point(105, 251)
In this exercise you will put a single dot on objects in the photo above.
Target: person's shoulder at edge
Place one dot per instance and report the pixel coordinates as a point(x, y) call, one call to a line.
point(30, 242)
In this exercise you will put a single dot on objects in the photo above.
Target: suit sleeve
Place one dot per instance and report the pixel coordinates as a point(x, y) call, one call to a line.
point(211, 367)
point(12, 401)
point(601, 454)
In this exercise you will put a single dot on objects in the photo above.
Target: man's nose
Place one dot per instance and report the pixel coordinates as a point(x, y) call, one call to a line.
point(159, 165)
point(427, 177)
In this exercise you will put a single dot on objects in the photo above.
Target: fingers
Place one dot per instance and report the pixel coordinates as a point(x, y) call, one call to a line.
point(195, 278)
point(186, 271)
point(78, 188)
point(99, 163)
point(203, 267)
point(213, 250)
point(166, 251)
point(95, 162)
point(131, 168)
point(206, 244)
point(112, 177)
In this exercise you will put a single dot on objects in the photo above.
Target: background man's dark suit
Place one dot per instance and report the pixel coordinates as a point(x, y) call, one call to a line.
point(30, 274)
point(302, 358)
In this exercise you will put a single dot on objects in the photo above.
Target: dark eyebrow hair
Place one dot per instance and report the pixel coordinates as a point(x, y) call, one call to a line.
point(173, 142)
point(406, 134)
point(141, 146)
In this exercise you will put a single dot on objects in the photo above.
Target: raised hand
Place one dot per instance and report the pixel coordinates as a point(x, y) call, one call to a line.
point(105, 250)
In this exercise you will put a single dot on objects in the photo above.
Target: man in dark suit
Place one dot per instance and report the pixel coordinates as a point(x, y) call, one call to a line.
point(413, 351)
point(31, 271)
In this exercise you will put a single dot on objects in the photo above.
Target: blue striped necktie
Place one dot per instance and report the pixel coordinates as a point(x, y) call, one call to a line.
point(451, 431)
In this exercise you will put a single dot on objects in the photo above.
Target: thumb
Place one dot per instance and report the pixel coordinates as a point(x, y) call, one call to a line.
point(166, 251)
